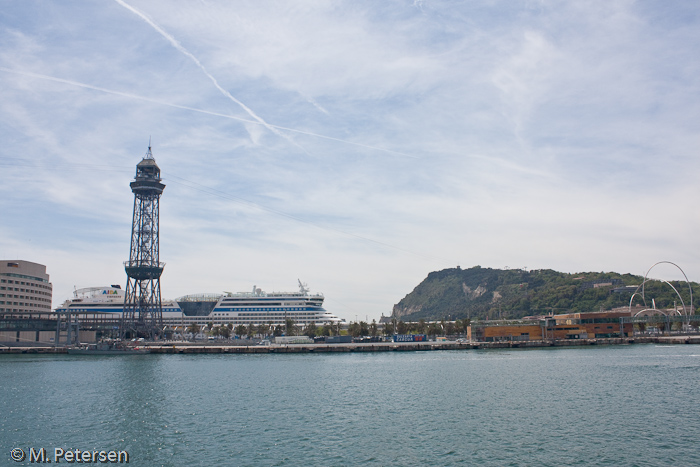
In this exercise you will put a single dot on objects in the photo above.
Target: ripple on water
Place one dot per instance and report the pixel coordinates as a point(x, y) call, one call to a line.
point(627, 405)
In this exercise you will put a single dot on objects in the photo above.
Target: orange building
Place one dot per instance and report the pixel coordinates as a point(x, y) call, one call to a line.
point(490, 331)
point(602, 324)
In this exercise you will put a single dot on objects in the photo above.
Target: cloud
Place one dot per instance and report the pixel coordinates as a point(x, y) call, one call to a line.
point(417, 136)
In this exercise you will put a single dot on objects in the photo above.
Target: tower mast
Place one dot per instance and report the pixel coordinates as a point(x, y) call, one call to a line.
point(143, 311)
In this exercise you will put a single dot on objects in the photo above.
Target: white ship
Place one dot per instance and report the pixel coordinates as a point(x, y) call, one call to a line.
point(259, 307)
point(108, 301)
point(256, 307)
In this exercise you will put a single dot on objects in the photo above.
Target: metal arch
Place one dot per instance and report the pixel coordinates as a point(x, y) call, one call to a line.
point(690, 288)
point(632, 298)
point(647, 309)
point(685, 311)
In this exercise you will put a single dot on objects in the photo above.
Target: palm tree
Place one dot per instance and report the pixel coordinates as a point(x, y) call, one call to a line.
point(388, 329)
point(193, 329)
point(401, 327)
point(252, 330)
point(354, 329)
point(310, 330)
point(373, 328)
point(289, 328)
point(364, 328)
point(434, 329)
point(458, 326)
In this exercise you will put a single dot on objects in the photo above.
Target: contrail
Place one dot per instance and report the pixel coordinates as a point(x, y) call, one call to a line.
point(194, 109)
point(187, 53)
point(214, 192)
point(16, 162)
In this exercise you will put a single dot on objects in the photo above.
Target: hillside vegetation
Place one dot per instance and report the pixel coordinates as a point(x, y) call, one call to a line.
point(484, 293)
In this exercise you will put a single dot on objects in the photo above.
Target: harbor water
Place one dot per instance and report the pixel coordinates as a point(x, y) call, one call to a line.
point(633, 405)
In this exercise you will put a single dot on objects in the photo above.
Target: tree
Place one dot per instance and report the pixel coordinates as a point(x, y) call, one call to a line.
point(364, 328)
point(224, 332)
point(421, 326)
point(252, 330)
point(388, 329)
point(354, 329)
point(193, 328)
point(289, 327)
point(373, 328)
point(240, 330)
point(401, 327)
point(310, 330)
point(434, 329)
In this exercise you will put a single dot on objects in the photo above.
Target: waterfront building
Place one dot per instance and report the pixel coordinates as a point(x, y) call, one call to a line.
point(602, 324)
point(24, 287)
point(25, 303)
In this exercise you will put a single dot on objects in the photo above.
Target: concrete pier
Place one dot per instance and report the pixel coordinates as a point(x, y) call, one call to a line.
point(176, 348)
point(202, 348)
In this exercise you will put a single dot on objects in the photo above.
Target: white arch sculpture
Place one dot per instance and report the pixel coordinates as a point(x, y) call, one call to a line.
point(690, 288)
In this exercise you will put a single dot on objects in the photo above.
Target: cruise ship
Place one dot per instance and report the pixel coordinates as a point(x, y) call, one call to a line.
point(105, 301)
point(259, 307)
point(256, 307)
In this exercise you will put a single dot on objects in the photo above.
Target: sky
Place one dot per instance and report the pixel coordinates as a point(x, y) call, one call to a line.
point(354, 145)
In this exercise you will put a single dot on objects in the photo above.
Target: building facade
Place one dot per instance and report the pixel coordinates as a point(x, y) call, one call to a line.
point(24, 287)
point(604, 324)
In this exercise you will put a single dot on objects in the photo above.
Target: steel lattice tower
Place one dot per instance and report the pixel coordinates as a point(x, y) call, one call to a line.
point(143, 312)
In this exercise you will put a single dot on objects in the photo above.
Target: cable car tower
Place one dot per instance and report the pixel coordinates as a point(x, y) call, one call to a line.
point(143, 311)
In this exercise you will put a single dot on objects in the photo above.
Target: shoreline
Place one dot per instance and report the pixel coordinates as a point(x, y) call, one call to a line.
point(197, 348)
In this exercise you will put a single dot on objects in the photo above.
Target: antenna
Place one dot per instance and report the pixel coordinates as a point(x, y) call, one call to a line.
point(149, 154)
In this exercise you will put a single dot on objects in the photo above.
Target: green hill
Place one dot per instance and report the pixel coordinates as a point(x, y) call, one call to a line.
point(485, 293)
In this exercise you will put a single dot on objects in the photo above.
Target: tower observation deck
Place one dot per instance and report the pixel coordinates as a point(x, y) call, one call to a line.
point(143, 312)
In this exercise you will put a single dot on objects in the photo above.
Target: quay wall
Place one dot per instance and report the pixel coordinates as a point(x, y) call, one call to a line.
point(189, 348)
point(412, 346)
